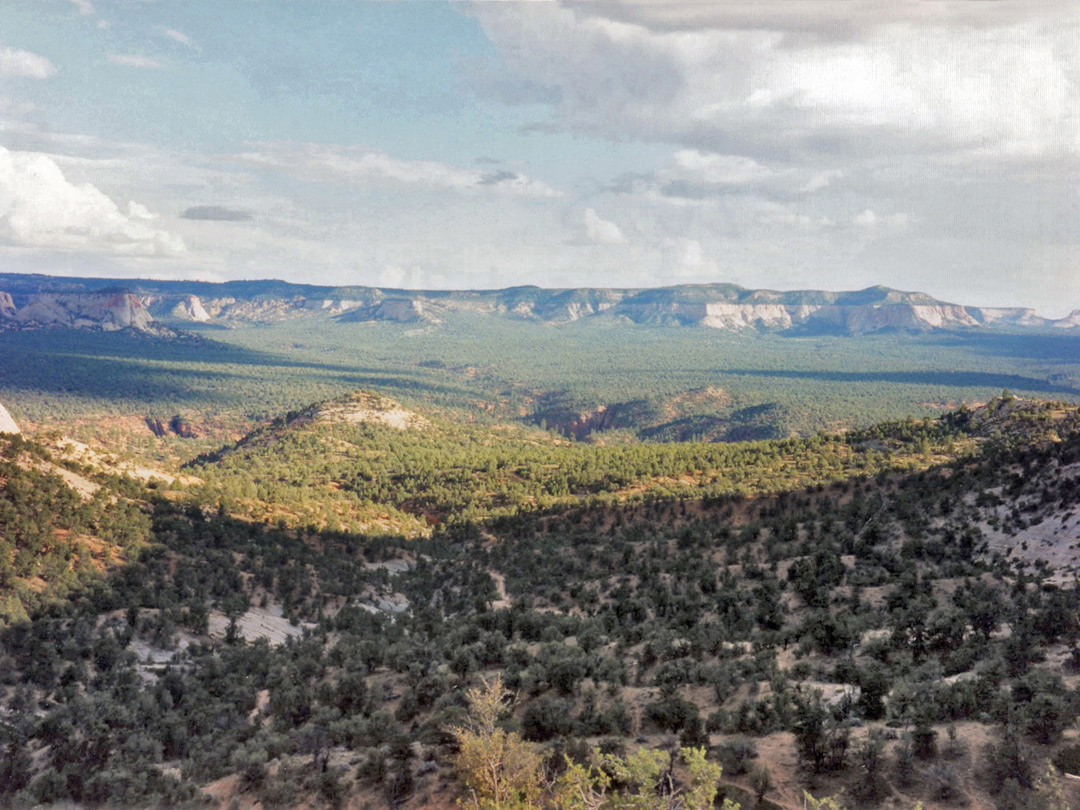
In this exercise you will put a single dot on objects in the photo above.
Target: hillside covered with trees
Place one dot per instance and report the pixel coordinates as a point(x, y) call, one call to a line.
point(877, 615)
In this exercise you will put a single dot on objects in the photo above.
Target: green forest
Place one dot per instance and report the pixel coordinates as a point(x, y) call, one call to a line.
point(654, 383)
point(318, 613)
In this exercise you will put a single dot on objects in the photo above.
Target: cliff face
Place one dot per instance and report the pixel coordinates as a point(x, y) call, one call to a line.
point(7, 424)
point(1011, 316)
point(191, 309)
point(107, 311)
point(7, 306)
point(853, 319)
point(716, 306)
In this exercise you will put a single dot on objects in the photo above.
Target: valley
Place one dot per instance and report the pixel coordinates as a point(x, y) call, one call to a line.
point(261, 563)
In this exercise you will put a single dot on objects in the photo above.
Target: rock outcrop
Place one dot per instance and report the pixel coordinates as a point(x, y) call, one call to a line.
point(1070, 321)
point(1010, 316)
point(190, 308)
point(7, 424)
point(109, 311)
point(7, 306)
point(71, 301)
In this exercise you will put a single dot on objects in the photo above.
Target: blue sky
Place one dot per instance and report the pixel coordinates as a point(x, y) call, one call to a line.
point(425, 144)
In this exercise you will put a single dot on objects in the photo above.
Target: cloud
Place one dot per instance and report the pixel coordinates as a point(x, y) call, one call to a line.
point(696, 174)
point(683, 258)
point(137, 211)
point(40, 208)
point(16, 109)
point(85, 6)
point(600, 231)
point(217, 213)
point(871, 221)
point(14, 62)
point(177, 36)
point(134, 60)
point(775, 82)
point(363, 168)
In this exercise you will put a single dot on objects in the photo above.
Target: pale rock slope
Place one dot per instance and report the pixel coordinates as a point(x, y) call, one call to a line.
point(7, 424)
point(109, 311)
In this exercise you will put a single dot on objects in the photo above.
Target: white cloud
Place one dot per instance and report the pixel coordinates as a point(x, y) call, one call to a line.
point(85, 6)
point(40, 208)
point(14, 62)
point(137, 211)
point(694, 173)
point(16, 109)
point(685, 259)
point(867, 219)
point(870, 220)
point(177, 36)
point(723, 87)
point(368, 169)
point(134, 60)
point(601, 231)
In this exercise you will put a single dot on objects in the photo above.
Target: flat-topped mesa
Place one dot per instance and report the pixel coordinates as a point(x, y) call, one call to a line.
point(108, 310)
point(1011, 316)
point(722, 306)
point(7, 424)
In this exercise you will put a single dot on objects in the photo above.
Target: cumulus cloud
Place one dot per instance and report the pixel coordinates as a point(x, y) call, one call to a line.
point(714, 81)
point(40, 208)
point(14, 62)
point(134, 60)
point(85, 7)
point(219, 213)
point(138, 211)
point(368, 169)
point(597, 231)
point(683, 259)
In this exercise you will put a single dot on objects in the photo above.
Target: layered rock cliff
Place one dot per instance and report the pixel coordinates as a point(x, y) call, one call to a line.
point(109, 311)
point(73, 302)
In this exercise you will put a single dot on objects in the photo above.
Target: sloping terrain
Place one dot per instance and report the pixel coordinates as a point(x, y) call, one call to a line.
point(831, 610)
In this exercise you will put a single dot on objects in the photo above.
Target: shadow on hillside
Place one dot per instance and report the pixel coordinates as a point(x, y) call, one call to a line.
point(115, 366)
point(953, 379)
point(1040, 346)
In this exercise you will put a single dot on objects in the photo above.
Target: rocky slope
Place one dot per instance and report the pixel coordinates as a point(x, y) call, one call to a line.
point(70, 301)
point(108, 310)
point(7, 424)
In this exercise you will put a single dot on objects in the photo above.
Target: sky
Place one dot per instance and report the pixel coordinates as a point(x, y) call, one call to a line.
point(786, 144)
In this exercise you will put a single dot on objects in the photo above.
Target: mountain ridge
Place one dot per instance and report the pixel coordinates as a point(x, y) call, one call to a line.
point(33, 299)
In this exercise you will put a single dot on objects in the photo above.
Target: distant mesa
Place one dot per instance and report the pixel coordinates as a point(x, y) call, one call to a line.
point(728, 307)
point(108, 310)
point(7, 424)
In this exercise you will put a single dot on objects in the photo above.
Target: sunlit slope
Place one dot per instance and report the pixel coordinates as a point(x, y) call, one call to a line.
point(366, 463)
